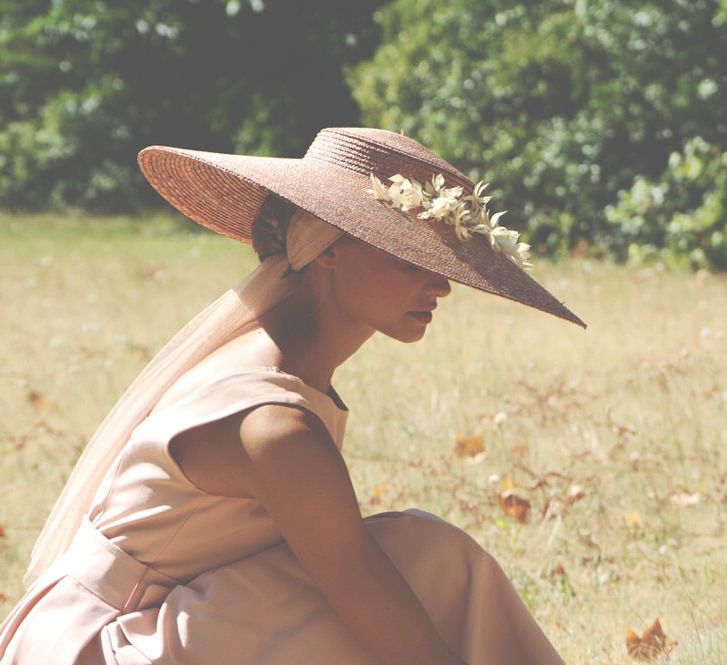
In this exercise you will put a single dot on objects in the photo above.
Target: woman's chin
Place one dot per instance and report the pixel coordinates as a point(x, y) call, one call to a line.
point(408, 336)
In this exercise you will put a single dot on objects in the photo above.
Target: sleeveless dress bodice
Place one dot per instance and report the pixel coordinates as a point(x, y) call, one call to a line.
point(149, 508)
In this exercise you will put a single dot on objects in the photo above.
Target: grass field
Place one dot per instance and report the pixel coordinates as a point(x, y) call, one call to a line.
point(592, 463)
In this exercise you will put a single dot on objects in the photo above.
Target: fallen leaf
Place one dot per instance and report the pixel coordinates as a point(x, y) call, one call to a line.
point(2, 531)
point(519, 450)
point(37, 400)
point(651, 645)
point(633, 520)
point(3, 597)
point(515, 506)
point(377, 493)
point(506, 483)
point(557, 571)
point(468, 446)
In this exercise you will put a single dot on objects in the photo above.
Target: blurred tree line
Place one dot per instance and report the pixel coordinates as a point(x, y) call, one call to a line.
point(601, 123)
point(85, 84)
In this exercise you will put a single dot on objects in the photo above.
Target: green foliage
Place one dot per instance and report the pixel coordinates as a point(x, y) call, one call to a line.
point(571, 108)
point(85, 84)
point(681, 215)
point(561, 103)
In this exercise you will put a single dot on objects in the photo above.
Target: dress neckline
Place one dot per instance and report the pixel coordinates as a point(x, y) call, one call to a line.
point(331, 395)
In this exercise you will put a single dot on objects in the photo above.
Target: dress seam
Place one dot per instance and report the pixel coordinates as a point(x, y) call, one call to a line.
point(176, 531)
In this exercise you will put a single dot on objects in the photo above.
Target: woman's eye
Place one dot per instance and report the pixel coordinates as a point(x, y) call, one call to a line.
point(405, 265)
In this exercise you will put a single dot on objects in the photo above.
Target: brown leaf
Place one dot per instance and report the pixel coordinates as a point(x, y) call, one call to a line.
point(651, 645)
point(37, 400)
point(468, 446)
point(557, 571)
point(3, 597)
point(515, 506)
point(519, 450)
point(2, 531)
point(378, 492)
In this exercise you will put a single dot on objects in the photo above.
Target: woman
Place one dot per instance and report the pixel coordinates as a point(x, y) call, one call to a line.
point(211, 518)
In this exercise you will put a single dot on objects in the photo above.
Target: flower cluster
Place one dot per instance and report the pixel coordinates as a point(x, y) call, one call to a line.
point(467, 214)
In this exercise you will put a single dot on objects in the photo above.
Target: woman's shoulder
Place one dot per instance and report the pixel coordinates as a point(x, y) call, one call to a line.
point(231, 390)
point(233, 379)
point(272, 423)
point(241, 389)
point(243, 357)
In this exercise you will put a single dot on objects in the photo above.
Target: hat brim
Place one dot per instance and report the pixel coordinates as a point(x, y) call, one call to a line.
point(225, 192)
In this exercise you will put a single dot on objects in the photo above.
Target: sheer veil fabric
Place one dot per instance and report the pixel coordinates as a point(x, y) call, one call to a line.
point(237, 311)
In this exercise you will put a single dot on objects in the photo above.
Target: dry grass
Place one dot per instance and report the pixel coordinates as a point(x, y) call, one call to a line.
point(616, 436)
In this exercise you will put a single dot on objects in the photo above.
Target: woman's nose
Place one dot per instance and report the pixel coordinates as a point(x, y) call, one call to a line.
point(438, 286)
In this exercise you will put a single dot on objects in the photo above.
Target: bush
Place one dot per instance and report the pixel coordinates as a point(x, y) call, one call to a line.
point(560, 103)
point(84, 85)
point(679, 216)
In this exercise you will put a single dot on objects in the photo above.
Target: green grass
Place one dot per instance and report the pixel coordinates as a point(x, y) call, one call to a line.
point(615, 435)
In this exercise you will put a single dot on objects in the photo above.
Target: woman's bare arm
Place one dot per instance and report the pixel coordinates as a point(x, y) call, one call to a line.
point(299, 476)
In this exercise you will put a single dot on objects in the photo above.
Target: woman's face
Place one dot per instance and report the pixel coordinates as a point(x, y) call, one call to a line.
point(377, 290)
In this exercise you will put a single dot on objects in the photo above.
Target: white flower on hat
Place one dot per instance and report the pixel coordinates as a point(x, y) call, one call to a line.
point(407, 193)
point(440, 208)
point(467, 215)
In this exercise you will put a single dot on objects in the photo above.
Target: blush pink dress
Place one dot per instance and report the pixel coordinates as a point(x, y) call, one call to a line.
point(163, 572)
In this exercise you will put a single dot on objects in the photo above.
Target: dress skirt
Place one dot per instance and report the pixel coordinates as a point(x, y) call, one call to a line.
point(264, 610)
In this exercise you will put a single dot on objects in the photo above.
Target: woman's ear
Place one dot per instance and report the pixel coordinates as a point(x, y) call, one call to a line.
point(328, 258)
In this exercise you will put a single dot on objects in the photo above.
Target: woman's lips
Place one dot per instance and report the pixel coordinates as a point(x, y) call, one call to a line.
point(422, 317)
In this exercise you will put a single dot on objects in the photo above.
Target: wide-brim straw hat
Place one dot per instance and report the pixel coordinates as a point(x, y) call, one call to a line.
point(332, 181)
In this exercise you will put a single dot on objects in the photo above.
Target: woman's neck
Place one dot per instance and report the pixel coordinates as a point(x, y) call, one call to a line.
point(312, 337)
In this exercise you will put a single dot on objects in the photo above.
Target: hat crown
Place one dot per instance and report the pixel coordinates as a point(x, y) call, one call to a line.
point(381, 152)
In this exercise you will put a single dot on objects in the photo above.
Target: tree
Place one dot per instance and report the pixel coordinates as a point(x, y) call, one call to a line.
point(561, 103)
point(84, 84)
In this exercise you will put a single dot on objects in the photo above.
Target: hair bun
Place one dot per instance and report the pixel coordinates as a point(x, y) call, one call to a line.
point(270, 226)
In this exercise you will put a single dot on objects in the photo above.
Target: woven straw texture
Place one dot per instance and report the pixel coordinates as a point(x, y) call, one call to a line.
point(225, 192)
